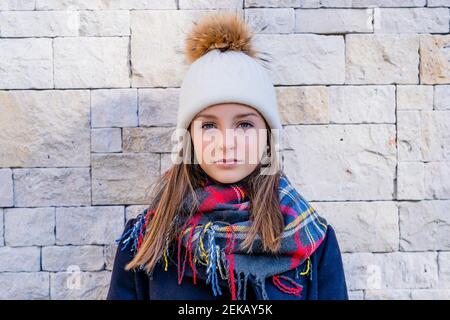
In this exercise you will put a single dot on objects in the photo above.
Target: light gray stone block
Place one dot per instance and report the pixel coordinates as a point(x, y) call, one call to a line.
point(442, 97)
point(430, 294)
point(271, 20)
point(6, 188)
point(17, 5)
point(41, 187)
point(209, 4)
point(88, 225)
point(114, 108)
point(435, 144)
point(158, 107)
point(388, 294)
point(63, 258)
point(382, 59)
point(34, 68)
point(32, 285)
point(438, 3)
point(153, 139)
point(91, 62)
point(29, 226)
point(410, 181)
point(409, 136)
point(306, 104)
point(39, 23)
point(79, 285)
point(332, 21)
point(387, 3)
point(414, 97)
point(270, 3)
point(106, 140)
point(341, 162)
point(411, 20)
point(104, 23)
point(444, 269)
point(2, 241)
point(362, 226)
point(20, 259)
point(104, 5)
point(123, 178)
point(48, 128)
point(304, 58)
point(394, 270)
point(362, 104)
point(437, 180)
point(424, 225)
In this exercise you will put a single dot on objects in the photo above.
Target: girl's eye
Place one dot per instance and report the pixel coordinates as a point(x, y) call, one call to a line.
point(246, 123)
point(207, 124)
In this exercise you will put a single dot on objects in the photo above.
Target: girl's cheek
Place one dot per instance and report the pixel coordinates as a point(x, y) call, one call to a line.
point(208, 152)
point(248, 149)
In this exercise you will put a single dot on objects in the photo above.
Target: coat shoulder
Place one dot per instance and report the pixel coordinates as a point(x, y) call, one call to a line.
point(330, 239)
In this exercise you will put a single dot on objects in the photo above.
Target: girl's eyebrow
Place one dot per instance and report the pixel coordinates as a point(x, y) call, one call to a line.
point(242, 115)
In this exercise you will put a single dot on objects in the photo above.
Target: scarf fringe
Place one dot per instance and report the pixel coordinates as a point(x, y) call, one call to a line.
point(135, 233)
point(213, 258)
point(218, 261)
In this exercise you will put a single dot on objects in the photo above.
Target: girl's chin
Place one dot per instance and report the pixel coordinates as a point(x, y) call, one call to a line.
point(228, 176)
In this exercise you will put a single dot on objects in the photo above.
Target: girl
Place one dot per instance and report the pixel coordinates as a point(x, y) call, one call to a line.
point(226, 216)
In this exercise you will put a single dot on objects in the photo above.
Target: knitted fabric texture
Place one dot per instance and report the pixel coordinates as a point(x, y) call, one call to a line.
point(210, 239)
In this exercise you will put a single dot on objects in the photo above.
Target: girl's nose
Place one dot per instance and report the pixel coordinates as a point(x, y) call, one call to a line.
point(227, 139)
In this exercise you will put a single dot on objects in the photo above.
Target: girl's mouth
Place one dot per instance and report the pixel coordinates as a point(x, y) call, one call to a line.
point(227, 162)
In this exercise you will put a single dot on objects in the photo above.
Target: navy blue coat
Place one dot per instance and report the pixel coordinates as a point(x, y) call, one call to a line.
point(326, 282)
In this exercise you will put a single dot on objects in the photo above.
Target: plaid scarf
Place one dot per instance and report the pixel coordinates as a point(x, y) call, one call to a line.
point(210, 239)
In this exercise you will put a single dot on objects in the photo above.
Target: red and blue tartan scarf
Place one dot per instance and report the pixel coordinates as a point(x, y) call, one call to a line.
point(209, 239)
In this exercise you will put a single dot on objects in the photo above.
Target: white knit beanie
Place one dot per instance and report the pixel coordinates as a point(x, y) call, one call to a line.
point(225, 68)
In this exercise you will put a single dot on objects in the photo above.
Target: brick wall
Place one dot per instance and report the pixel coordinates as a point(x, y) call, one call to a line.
point(88, 100)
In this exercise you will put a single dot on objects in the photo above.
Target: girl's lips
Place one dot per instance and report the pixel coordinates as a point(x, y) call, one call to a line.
point(226, 160)
point(229, 164)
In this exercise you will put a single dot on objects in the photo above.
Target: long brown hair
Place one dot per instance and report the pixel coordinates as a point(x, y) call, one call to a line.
point(181, 180)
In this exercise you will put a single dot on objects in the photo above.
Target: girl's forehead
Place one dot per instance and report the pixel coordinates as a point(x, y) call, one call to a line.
point(228, 109)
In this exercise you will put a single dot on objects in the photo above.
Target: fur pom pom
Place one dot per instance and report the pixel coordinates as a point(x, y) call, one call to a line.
point(224, 30)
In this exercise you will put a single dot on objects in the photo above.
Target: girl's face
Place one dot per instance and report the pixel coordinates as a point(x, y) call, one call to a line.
point(230, 131)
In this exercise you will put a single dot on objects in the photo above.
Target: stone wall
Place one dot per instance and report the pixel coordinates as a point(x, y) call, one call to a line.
point(88, 100)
